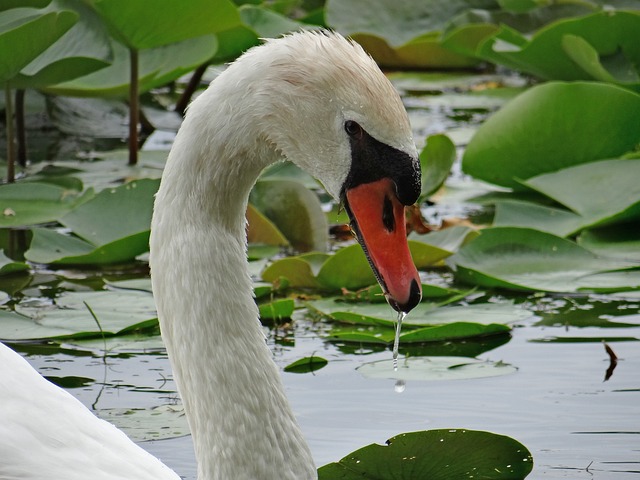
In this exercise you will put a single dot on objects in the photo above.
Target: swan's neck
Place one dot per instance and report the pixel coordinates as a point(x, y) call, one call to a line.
point(242, 425)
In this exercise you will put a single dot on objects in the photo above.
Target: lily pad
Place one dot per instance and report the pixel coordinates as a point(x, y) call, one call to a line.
point(526, 259)
point(621, 241)
point(295, 210)
point(25, 203)
point(435, 455)
point(435, 368)
point(306, 365)
point(514, 213)
point(277, 310)
point(84, 48)
point(510, 145)
point(26, 34)
point(436, 160)
point(118, 313)
point(10, 267)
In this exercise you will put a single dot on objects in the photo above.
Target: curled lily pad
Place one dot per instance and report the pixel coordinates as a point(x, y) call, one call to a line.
point(436, 160)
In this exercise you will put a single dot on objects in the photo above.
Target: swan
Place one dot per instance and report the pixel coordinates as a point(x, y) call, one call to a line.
point(316, 99)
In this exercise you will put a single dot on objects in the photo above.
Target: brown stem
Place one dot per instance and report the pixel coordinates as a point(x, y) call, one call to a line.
point(194, 81)
point(133, 107)
point(11, 150)
point(21, 133)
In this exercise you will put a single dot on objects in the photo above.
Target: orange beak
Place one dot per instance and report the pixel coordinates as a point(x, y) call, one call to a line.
point(377, 218)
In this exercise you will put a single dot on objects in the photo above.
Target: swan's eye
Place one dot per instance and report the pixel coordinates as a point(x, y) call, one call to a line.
point(352, 128)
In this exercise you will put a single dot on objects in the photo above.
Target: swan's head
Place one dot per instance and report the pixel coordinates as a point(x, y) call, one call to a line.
point(324, 104)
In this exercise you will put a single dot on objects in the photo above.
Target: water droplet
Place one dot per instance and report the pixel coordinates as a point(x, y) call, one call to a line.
point(396, 341)
point(400, 386)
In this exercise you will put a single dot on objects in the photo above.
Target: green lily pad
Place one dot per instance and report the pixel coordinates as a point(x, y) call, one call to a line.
point(262, 230)
point(10, 267)
point(113, 227)
point(295, 210)
point(579, 48)
point(300, 271)
point(436, 160)
point(306, 365)
point(158, 66)
point(511, 145)
point(26, 33)
point(114, 213)
point(25, 203)
point(435, 455)
point(172, 20)
point(439, 333)
point(621, 241)
point(435, 368)
point(526, 259)
point(400, 33)
point(118, 313)
point(514, 213)
point(602, 192)
point(446, 240)
point(277, 310)
point(84, 48)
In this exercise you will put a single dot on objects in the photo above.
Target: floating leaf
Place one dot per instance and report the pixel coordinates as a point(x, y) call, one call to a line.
point(25, 203)
point(621, 241)
point(115, 213)
point(299, 271)
point(526, 259)
point(514, 213)
point(277, 310)
point(435, 455)
point(434, 369)
point(10, 267)
point(602, 192)
point(438, 333)
point(119, 313)
point(510, 145)
point(306, 365)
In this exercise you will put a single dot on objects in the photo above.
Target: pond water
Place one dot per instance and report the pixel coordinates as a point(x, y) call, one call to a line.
point(557, 402)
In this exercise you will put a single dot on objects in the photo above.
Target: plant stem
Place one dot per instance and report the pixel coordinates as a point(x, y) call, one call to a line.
point(11, 151)
point(194, 81)
point(133, 107)
point(21, 133)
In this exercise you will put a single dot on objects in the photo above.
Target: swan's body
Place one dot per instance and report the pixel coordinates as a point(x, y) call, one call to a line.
point(321, 102)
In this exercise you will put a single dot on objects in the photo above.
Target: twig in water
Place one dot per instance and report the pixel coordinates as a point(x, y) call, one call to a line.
point(613, 361)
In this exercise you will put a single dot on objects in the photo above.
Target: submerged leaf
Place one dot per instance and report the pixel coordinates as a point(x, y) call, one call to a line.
point(435, 368)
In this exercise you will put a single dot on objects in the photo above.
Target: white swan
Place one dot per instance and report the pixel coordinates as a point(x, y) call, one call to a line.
point(318, 100)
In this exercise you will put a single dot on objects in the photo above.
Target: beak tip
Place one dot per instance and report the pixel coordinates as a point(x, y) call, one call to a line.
point(414, 298)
